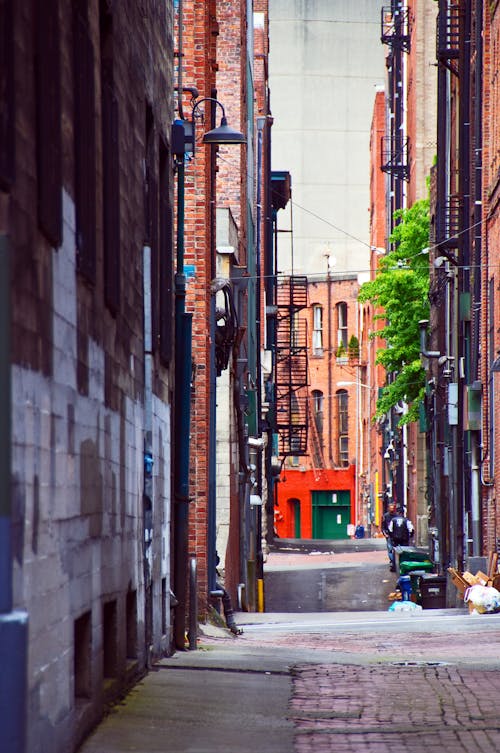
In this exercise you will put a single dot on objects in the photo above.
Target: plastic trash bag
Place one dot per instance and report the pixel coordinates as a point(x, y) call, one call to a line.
point(405, 606)
point(483, 598)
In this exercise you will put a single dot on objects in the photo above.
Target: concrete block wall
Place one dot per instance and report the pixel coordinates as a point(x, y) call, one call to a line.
point(78, 398)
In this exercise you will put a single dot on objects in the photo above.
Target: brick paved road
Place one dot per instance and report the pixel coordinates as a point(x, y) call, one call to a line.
point(408, 709)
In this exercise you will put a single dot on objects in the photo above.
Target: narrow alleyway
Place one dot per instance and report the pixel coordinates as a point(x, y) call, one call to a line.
point(322, 682)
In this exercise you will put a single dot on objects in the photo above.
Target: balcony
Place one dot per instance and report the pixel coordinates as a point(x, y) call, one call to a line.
point(396, 156)
point(395, 28)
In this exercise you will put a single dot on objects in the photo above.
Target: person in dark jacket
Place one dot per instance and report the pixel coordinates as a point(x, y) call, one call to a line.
point(400, 532)
point(386, 519)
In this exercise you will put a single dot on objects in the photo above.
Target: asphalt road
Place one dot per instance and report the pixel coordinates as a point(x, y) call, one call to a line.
point(314, 581)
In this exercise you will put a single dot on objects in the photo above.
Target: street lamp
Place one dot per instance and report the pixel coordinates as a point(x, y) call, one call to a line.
point(359, 442)
point(183, 141)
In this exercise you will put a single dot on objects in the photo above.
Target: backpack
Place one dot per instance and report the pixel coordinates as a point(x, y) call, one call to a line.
point(400, 533)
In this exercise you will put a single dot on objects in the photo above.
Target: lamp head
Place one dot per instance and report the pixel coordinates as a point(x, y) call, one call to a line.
point(224, 134)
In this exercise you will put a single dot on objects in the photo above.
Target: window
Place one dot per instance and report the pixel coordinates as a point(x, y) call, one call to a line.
point(317, 341)
point(166, 257)
point(342, 324)
point(48, 121)
point(317, 397)
point(82, 644)
point(343, 426)
point(85, 142)
point(151, 220)
point(344, 450)
point(7, 99)
point(110, 165)
point(317, 402)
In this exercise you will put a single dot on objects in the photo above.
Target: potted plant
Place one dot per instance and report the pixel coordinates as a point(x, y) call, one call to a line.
point(353, 348)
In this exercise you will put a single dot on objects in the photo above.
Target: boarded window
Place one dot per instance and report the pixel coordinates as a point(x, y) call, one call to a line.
point(85, 143)
point(166, 257)
point(48, 118)
point(110, 166)
point(151, 222)
point(7, 119)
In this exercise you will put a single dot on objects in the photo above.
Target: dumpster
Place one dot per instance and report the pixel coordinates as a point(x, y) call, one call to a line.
point(433, 591)
point(409, 566)
point(414, 556)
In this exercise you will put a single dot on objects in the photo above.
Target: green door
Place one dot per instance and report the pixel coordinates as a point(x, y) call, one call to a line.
point(331, 514)
point(296, 517)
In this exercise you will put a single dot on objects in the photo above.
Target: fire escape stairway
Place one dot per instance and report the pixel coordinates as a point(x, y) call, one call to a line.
point(448, 37)
point(291, 367)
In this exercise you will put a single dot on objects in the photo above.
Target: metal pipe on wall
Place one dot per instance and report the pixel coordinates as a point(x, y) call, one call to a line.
point(13, 624)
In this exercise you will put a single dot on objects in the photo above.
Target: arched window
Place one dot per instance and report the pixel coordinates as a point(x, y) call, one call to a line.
point(342, 324)
point(317, 339)
point(317, 406)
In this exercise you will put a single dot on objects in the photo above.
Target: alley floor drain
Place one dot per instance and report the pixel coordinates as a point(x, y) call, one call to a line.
point(417, 663)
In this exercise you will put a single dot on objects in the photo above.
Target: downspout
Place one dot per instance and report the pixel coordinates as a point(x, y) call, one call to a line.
point(442, 505)
point(258, 309)
point(464, 285)
point(330, 385)
point(13, 624)
point(148, 450)
point(478, 210)
point(182, 413)
point(212, 429)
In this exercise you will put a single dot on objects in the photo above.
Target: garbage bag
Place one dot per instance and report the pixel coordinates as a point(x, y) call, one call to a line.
point(405, 606)
point(483, 598)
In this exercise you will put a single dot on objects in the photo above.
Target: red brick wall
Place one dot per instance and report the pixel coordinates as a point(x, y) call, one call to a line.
point(490, 270)
point(199, 69)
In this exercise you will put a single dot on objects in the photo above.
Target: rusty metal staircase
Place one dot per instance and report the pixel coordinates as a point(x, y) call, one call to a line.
point(291, 378)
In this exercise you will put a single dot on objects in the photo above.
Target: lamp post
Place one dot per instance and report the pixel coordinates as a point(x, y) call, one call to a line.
point(359, 440)
point(183, 141)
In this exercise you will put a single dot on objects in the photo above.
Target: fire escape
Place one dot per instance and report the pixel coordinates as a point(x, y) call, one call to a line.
point(448, 37)
point(395, 147)
point(291, 367)
point(449, 206)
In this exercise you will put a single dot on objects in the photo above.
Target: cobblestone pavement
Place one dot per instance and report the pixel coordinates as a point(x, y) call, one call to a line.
point(409, 709)
point(410, 692)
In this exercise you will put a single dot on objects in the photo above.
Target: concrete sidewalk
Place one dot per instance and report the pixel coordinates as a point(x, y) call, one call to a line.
point(316, 683)
point(204, 701)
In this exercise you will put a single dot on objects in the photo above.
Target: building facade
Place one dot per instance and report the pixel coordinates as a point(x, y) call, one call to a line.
point(85, 223)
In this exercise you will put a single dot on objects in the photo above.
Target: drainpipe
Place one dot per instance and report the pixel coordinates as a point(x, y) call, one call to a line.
point(147, 498)
point(330, 355)
point(478, 210)
point(13, 624)
point(212, 428)
point(182, 406)
point(261, 121)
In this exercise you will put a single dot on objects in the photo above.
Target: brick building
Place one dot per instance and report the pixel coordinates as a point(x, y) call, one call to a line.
point(402, 159)
point(320, 492)
point(487, 121)
point(85, 221)
point(225, 247)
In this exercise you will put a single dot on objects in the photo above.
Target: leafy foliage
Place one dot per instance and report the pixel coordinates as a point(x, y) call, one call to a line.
point(400, 292)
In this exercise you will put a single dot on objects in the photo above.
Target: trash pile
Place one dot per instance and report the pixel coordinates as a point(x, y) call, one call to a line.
point(480, 591)
point(418, 586)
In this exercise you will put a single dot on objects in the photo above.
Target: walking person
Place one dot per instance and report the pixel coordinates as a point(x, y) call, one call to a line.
point(384, 526)
point(401, 531)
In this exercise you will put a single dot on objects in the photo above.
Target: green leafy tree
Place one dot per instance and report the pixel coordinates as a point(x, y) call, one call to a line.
point(400, 291)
